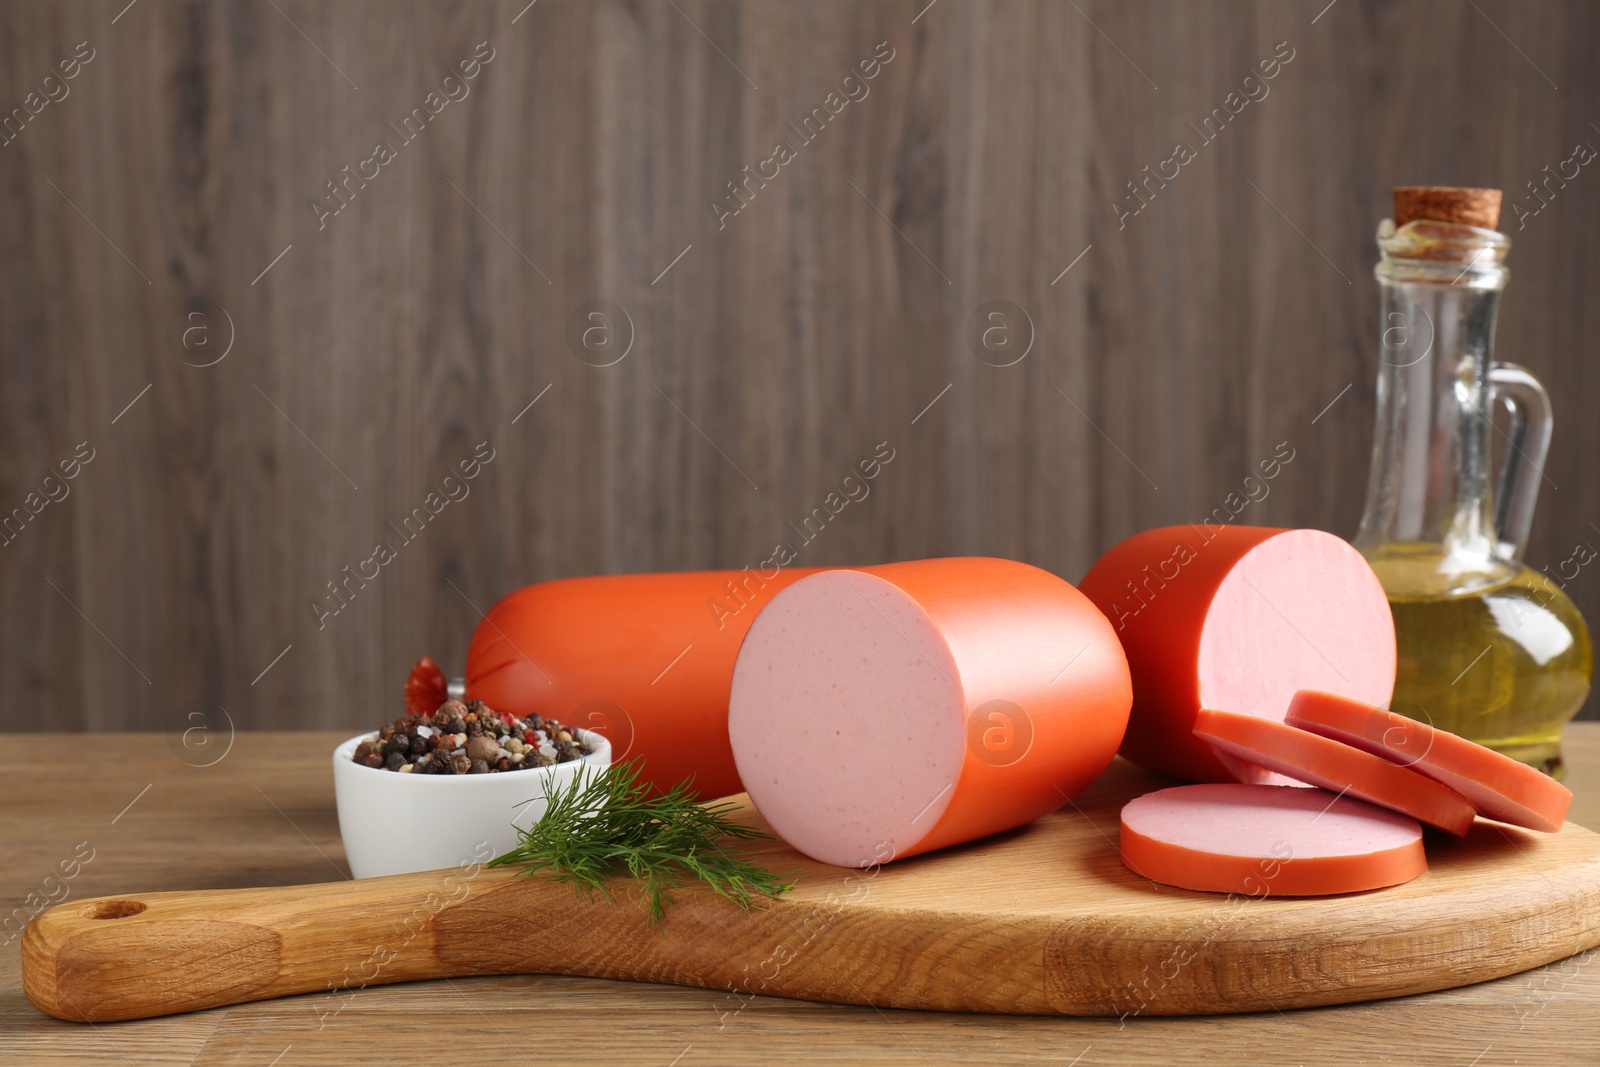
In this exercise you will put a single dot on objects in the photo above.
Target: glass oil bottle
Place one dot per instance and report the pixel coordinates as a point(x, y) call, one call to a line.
point(1488, 647)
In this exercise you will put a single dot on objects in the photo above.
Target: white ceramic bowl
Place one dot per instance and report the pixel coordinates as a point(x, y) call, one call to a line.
point(398, 823)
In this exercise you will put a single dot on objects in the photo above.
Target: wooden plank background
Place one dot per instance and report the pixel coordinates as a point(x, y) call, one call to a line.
point(373, 350)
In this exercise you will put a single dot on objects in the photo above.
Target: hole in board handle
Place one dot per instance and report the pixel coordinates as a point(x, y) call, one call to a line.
point(111, 909)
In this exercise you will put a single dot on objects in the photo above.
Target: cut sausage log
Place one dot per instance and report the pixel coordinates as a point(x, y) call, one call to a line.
point(1497, 785)
point(1237, 617)
point(885, 711)
point(1266, 840)
point(645, 659)
point(1319, 761)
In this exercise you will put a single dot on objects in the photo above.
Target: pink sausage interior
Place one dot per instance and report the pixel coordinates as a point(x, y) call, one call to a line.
point(1245, 820)
point(847, 718)
point(1301, 610)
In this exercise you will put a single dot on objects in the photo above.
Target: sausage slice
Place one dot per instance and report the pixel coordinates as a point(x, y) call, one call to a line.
point(1333, 765)
point(1497, 785)
point(1268, 840)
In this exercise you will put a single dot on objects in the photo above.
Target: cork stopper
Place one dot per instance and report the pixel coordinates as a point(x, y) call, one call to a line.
point(1438, 203)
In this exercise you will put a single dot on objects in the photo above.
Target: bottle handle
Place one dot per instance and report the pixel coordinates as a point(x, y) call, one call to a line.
point(1528, 441)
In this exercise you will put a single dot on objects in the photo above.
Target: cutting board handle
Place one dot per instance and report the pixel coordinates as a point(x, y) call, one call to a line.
point(130, 957)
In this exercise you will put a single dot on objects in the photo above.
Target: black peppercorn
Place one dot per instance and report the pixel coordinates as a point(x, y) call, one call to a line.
point(482, 734)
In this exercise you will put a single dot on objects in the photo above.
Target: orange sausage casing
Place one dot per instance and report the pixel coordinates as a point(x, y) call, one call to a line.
point(645, 659)
point(1237, 618)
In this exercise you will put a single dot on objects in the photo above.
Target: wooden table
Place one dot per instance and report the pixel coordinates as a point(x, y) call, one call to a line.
point(149, 818)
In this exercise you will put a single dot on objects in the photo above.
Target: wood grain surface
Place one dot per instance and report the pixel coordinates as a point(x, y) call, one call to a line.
point(1043, 920)
point(263, 815)
point(367, 353)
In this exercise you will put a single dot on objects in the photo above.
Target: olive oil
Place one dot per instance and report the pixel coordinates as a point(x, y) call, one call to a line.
point(1493, 651)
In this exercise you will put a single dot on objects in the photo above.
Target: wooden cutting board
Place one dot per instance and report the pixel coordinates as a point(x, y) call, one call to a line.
point(1044, 919)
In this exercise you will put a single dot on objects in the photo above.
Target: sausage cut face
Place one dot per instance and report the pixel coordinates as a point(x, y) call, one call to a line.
point(848, 718)
point(1298, 606)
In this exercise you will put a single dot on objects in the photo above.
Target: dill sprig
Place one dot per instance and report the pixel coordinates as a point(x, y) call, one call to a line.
point(606, 823)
